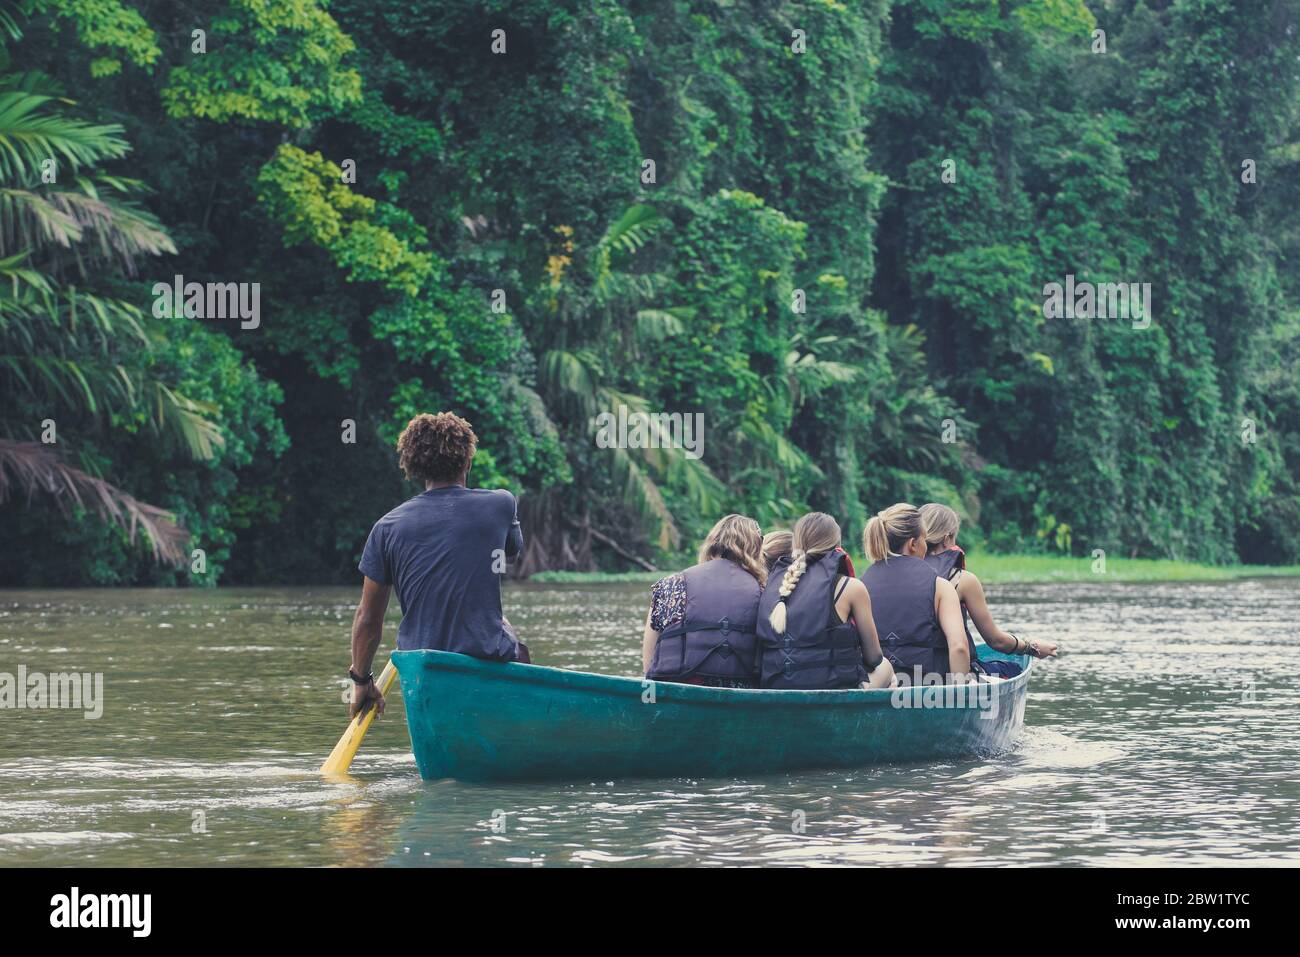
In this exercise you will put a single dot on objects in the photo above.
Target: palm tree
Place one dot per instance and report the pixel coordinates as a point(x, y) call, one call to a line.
point(82, 355)
point(596, 325)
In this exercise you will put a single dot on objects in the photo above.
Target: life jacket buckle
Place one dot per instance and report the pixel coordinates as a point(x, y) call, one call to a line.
point(725, 626)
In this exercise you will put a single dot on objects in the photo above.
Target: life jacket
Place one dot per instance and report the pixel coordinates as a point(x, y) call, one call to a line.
point(902, 604)
point(946, 564)
point(715, 638)
point(817, 650)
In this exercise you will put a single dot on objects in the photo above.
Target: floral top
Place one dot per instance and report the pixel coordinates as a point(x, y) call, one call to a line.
point(667, 608)
point(667, 601)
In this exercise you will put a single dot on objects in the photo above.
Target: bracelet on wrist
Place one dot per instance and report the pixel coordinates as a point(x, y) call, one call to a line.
point(365, 679)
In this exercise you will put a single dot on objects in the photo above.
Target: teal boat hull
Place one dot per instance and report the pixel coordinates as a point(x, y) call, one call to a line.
point(479, 720)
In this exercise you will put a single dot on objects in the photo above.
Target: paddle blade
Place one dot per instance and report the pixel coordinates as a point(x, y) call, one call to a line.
point(340, 758)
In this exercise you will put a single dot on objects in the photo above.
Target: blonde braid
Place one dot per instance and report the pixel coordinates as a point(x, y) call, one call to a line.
point(798, 565)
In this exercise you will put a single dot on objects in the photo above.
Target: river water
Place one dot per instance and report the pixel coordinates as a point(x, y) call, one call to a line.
point(1165, 734)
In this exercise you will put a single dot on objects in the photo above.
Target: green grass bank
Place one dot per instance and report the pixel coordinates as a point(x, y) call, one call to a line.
point(1018, 569)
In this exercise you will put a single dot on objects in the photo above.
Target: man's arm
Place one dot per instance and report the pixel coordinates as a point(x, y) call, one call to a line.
point(367, 630)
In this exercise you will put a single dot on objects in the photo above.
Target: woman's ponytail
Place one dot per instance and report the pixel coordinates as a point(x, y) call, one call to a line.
point(890, 529)
point(875, 542)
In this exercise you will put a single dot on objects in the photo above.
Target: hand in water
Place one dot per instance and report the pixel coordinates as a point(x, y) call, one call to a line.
point(363, 695)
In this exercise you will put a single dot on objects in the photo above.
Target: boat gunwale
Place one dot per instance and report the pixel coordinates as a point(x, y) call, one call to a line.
point(622, 685)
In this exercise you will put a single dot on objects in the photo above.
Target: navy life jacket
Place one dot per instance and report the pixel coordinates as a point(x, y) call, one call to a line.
point(817, 650)
point(715, 638)
point(902, 604)
point(946, 564)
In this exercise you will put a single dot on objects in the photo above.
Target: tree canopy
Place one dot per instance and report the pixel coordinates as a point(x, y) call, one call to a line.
point(828, 228)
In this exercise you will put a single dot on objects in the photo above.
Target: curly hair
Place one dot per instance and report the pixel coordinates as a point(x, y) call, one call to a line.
point(436, 448)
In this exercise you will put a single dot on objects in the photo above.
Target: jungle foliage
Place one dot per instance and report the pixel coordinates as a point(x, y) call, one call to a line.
point(435, 225)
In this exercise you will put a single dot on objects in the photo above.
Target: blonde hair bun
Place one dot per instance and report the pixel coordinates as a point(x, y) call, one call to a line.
point(891, 528)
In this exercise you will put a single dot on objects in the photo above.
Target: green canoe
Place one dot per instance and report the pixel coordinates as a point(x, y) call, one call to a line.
point(494, 721)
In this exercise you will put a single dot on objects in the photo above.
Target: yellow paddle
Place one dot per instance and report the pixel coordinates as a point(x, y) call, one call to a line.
point(340, 758)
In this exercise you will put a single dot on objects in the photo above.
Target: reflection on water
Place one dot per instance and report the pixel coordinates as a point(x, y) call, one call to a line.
point(1165, 734)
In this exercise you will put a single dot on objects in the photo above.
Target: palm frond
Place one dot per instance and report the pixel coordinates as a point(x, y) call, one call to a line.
point(626, 235)
point(9, 23)
point(641, 492)
point(21, 276)
point(187, 420)
point(30, 467)
point(771, 445)
point(667, 463)
point(534, 406)
point(29, 135)
point(99, 228)
point(630, 287)
point(29, 220)
point(659, 324)
point(632, 230)
point(87, 354)
point(571, 378)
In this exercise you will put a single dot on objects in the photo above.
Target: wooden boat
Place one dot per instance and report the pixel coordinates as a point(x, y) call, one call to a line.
point(496, 721)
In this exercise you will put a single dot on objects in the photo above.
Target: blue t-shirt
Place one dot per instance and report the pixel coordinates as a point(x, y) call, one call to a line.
point(443, 551)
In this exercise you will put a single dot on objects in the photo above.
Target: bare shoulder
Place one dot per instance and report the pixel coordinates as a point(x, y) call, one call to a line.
point(855, 589)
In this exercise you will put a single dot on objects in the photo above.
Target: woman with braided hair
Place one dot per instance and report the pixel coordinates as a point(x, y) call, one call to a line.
point(815, 625)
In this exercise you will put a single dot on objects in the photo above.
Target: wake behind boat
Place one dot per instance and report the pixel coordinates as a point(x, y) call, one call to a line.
point(477, 720)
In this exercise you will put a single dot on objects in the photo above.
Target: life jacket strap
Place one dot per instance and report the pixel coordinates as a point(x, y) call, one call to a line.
point(841, 638)
point(724, 626)
point(837, 654)
point(682, 628)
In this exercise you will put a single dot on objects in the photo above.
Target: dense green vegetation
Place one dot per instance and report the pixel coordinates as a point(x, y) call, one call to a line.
point(996, 569)
point(840, 260)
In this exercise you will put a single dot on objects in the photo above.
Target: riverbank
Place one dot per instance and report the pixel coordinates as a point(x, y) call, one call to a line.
point(1025, 569)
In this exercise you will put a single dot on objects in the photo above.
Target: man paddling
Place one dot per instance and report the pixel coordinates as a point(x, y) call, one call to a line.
point(444, 550)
